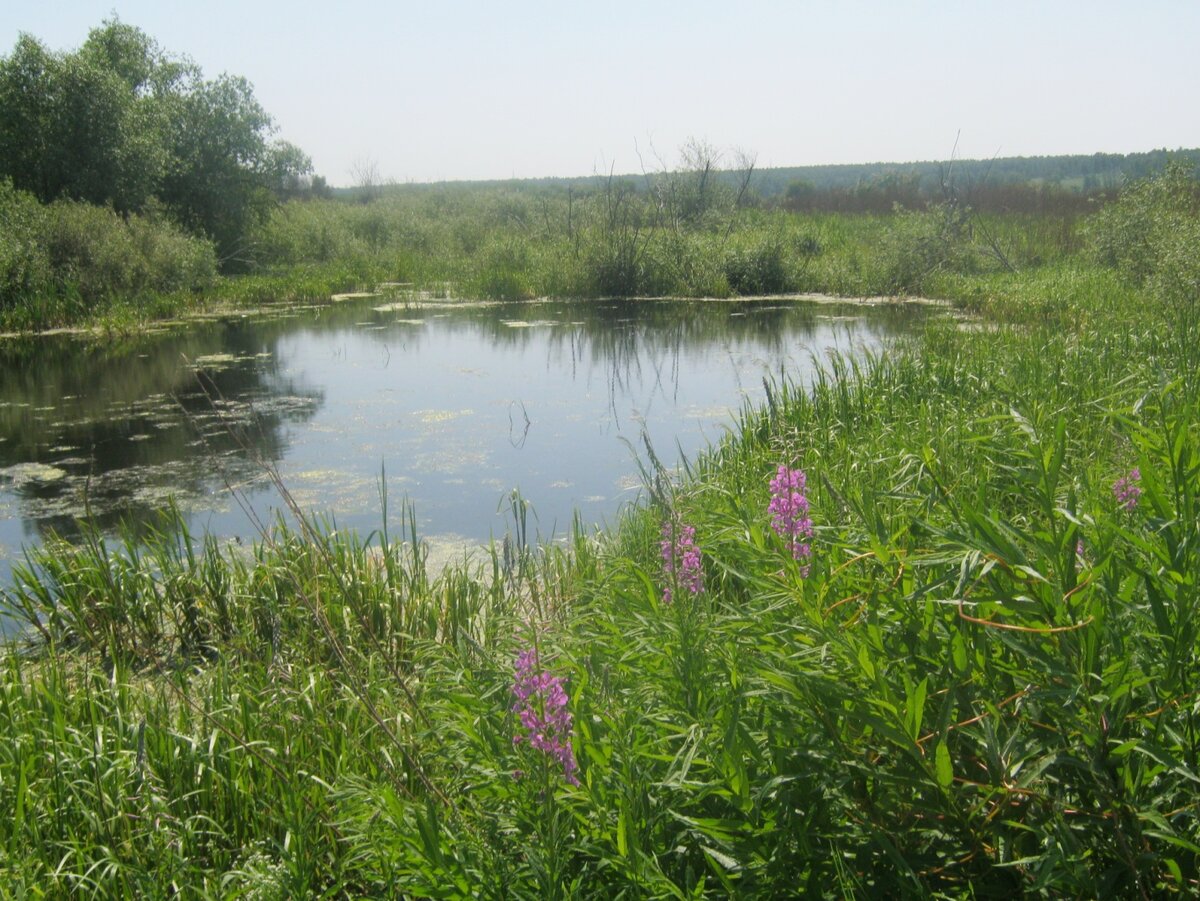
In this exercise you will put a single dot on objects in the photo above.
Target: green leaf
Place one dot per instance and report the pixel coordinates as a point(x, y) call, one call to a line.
point(941, 760)
point(958, 648)
point(916, 708)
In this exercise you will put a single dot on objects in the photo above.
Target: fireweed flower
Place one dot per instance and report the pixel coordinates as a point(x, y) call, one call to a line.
point(789, 512)
point(681, 558)
point(1126, 489)
point(541, 706)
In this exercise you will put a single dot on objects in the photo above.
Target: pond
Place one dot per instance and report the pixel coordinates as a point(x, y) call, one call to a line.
point(451, 405)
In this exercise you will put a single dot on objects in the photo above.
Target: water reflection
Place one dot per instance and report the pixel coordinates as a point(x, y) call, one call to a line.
point(119, 429)
point(460, 403)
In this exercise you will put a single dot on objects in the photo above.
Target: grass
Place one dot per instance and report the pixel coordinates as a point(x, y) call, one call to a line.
point(507, 244)
point(980, 683)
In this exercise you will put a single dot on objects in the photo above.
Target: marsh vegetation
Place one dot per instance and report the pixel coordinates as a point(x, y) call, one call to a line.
point(924, 624)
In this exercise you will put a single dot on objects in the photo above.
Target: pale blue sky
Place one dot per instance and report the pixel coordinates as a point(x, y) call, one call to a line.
point(455, 90)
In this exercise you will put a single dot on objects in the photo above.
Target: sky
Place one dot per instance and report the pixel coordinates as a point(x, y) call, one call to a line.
point(448, 90)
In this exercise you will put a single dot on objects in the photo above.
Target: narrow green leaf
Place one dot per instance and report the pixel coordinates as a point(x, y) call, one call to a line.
point(941, 759)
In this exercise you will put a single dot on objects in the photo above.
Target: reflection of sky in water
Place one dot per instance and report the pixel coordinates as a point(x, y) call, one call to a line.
point(458, 406)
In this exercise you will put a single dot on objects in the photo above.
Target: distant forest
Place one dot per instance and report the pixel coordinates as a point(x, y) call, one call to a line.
point(1019, 183)
point(1080, 172)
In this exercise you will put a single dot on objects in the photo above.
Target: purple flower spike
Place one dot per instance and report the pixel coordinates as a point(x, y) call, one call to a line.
point(789, 512)
point(1127, 491)
point(681, 559)
point(541, 707)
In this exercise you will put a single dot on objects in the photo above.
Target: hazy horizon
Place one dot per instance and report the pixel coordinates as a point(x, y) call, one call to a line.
point(470, 92)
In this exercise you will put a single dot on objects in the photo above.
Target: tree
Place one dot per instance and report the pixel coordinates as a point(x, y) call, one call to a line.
point(290, 169)
point(223, 174)
point(119, 122)
point(26, 91)
point(365, 172)
point(83, 125)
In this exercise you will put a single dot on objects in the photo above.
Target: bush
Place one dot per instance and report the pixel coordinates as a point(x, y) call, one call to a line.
point(758, 269)
point(1135, 234)
point(174, 260)
point(24, 266)
point(1150, 236)
point(91, 254)
point(101, 256)
point(921, 243)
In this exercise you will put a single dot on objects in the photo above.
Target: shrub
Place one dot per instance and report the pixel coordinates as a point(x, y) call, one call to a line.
point(100, 255)
point(1135, 234)
point(174, 260)
point(1150, 236)
point(24, 266)
point(90, 254)
point(758, 269)
point(921, 243)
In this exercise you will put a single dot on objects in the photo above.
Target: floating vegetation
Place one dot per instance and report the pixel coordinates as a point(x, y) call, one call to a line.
point(353, 295)
point(214, 361)
point(433, 417)
point(23, 474)
point(630, 482)
point(534, 323)
point(714, 413)
point(450, 462)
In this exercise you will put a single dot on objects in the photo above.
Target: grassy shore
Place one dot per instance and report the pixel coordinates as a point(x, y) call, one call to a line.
point(71, 265)
point(927, 629)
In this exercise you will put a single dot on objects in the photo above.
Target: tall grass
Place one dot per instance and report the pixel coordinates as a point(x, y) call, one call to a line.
point(981, 682)
point(71, 263)
point(509, 244)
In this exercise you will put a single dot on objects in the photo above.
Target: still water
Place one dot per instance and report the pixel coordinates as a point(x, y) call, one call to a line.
point(457, 404)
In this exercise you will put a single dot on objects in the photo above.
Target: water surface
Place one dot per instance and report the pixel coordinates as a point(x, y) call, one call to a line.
point(457, 403)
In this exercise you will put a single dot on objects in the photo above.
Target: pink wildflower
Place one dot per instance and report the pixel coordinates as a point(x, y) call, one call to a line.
point(681, 558)
point(541, 706)
point(789, 512)
point(1127, 491)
